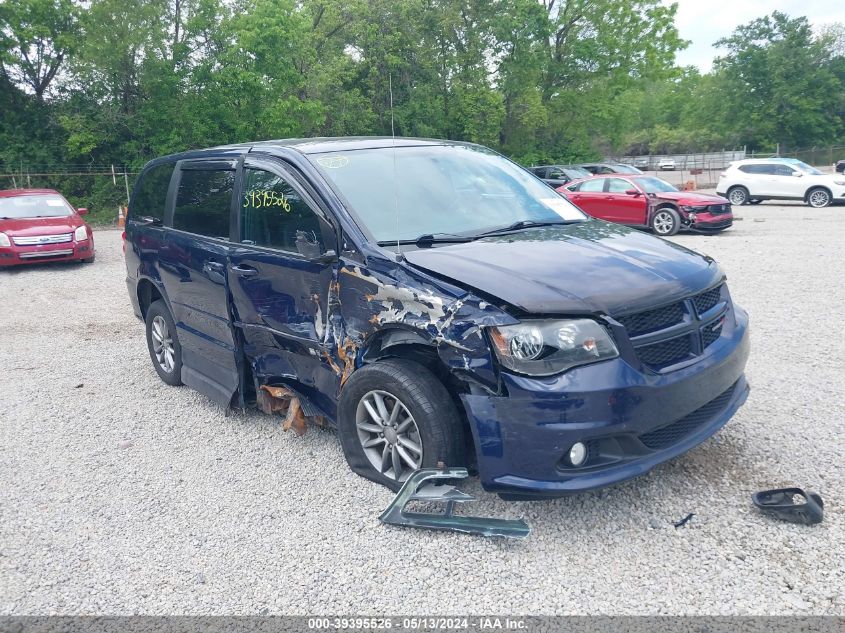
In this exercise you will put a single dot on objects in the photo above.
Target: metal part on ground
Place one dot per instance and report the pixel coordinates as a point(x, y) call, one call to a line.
point(283, 400)
point(781, 503)
point(413, 490)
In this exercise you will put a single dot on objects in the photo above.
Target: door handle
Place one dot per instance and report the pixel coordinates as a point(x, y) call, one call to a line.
point(243, 271)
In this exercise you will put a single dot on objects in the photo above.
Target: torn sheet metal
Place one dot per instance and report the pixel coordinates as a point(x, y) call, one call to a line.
point(415, 489)
point(297, 410)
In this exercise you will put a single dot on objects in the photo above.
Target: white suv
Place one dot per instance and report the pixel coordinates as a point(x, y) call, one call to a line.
point(757, 179)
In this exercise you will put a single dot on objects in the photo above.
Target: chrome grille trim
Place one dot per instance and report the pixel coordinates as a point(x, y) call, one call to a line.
point(45, 254)
point(34, 240)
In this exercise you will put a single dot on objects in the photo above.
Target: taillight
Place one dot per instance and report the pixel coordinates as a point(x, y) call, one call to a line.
point(123, 237)
point(723, 174)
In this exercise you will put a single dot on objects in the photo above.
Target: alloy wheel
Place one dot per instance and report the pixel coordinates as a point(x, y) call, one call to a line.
point(819, 198)
point(388, 434)
point(663, 222)
point(737, 197)
point(163, 344)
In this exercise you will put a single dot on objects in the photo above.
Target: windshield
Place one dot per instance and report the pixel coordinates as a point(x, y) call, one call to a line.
point(626, 169)
point(576, 172)
point(407, 192)
point(654, 185)
point(34, 206)
point(806, 168)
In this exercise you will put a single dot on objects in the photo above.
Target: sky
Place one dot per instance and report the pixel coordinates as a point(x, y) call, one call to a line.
point(705, 21)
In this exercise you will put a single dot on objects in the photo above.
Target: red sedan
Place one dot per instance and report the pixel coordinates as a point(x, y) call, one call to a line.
point(646, 201)
point(39, 225)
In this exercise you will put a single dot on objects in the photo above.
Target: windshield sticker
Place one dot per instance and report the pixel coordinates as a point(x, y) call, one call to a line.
point(265, 198)
point(563, 208)
point(333, 162)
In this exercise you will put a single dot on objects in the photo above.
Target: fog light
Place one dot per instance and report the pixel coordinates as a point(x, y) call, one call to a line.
point(577, 454)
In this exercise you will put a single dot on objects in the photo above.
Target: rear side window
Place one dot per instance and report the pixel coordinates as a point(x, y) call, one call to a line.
point(150, 194)
point(758, 169)
point(592, 185)
point(273, 214)
point(203, 202)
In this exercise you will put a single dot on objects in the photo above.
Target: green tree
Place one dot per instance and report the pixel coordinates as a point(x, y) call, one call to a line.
point(38, 35)
point(776, 84)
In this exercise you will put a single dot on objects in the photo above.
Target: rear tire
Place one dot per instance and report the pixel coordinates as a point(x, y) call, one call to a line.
point(666, 221)
point(738, 196)
point(818, 198)
point(375, 445)
point(163, 343)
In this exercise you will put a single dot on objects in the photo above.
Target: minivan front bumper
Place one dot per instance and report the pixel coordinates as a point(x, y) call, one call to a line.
point(630, 420)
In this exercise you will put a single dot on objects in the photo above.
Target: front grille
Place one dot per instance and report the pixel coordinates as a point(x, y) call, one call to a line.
point(672, 433)
point(652, 320)
point(666, 352)
point(711, 332)
point(706, 300)
point(47, 254)
point(658, 346)
point(716, 209)
point(32, 240)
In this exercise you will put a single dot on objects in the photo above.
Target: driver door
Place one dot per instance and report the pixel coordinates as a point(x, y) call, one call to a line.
point(279, 275)
point(623, 207)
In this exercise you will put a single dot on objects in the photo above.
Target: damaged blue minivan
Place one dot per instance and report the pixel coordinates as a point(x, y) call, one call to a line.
point(437, 304)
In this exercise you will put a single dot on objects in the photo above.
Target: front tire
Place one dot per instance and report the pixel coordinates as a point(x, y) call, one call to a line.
point(394, 417)
point(738, 196)
point(666, 221)
point(163, 343)
point(818, 198)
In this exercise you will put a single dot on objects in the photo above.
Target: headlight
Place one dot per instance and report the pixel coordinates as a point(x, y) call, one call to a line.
point(695, 209)
point(4, 240)
point(80, 234)
point(543, 348)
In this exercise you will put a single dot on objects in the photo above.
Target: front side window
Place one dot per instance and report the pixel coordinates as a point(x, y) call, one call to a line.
point(34, 206)
point(274, 215)
point(203, 202)
point(150, 194)
point(618, 185)
point(784, 170)
point(592, 186)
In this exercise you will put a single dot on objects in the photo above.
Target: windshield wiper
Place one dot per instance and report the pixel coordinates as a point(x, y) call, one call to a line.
point(430, 238)
point(526, 224)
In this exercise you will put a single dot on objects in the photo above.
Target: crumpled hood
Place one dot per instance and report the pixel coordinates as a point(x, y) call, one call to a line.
point(40, 226)
point(589, 267)
point(691, 198)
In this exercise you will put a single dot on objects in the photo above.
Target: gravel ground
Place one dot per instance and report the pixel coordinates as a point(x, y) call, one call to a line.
point(119, 495)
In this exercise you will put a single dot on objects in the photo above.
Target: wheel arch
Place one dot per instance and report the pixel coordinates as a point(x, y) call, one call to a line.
point(814, 187)
point(399, 341)
point(147, 292)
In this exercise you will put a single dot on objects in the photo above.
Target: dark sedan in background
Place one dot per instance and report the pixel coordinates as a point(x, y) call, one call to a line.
point(609, 168)
point(646, 201)
point(557, 175)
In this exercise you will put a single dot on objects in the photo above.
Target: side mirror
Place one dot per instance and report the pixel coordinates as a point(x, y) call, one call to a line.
point(82, 211)
point(798, 174)
point(329, 257)
point(632, 192)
